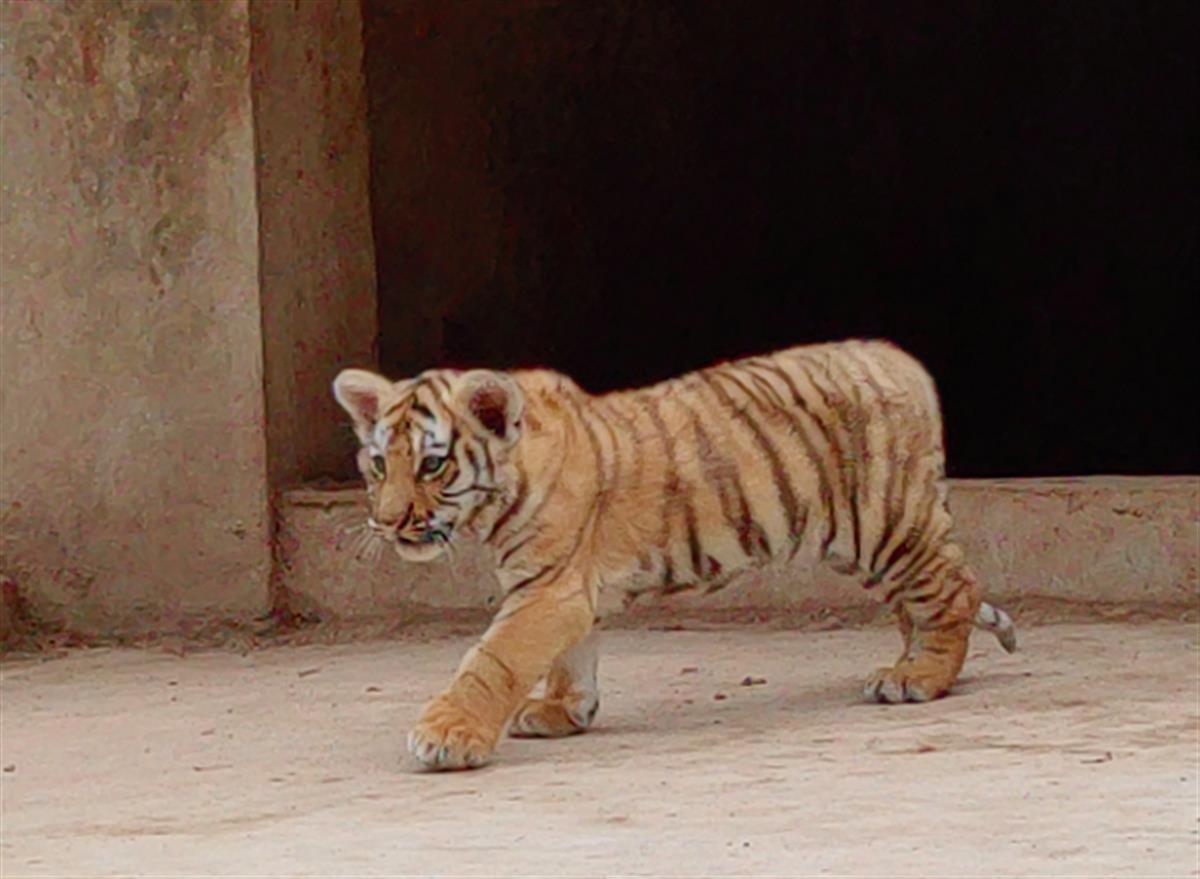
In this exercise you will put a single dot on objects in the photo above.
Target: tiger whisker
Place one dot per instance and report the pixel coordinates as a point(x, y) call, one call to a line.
point(451, 554)
point(364, 546)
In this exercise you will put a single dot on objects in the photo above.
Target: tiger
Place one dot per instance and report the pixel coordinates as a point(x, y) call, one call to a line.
point(833, 449)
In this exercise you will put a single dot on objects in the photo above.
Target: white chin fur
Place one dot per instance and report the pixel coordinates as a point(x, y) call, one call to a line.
point(419, 552)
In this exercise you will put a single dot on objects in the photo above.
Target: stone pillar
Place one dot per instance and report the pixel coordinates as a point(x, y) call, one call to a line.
point(132, 477)
point(316, 253)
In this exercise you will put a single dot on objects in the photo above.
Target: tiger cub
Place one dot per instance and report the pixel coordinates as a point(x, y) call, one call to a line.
point(835, 447)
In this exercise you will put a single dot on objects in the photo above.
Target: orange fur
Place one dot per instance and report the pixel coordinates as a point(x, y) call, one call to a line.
point(832, 450)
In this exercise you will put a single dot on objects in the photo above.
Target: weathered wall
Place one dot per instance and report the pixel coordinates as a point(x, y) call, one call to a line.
point(1104, 540)
point(132, 488)
point(317, 260)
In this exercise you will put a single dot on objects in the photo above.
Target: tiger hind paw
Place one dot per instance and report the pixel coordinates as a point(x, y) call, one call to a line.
point(553, 718)
point(905, 682)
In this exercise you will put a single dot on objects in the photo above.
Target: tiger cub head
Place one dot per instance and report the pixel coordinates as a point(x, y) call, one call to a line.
point(435, 452)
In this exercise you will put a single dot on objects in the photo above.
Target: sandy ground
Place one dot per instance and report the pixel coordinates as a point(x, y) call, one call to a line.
point(1076, 756)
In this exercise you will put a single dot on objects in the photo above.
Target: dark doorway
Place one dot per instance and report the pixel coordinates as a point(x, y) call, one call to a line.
point(626, 190)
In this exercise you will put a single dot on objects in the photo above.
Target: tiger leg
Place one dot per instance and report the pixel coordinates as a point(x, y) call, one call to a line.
point(459, 729)
point(937, 610)
point(571, 699)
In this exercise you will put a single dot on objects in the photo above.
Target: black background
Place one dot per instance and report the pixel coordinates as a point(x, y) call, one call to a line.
point(1007, 190)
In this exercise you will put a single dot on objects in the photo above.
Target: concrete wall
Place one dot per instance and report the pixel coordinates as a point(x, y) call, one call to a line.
point(1096, 540)
point(317, 259)
point(185, 262)
point(132, 487)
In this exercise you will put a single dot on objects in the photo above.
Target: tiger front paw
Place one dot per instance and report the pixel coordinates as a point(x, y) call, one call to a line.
point(448, 737)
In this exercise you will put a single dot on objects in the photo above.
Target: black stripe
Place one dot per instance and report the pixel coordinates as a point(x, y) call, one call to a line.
point(863, 362)
point(783, 485)
point(407, 515)
point(513, 509)
point(593, 441)
point(765, 386)
point(923, 545)
point(631, 426)
point(824, 487)
point(504, 557)
point(798, 399)
point(529, 581)
point(752, 538)
point(923, 598)
point(834, 406)
point(511, 676)
point(893, 512)
point(747, 528)
point(552, 486)
point(471, 458)
point(582, 532)
point(672, 476)
point(612, 480)
point(916, 531)
point(715, 469)
point(487, 457)
point(750, 395)
point(421, 410)
point(823, 476)
point(947, 604)
point(392, 408)
point(850, 416)
point(674, 588)
point(693, 538)
point(930, 571)
point(483, 684)
point(881, 394)
point(821, 392)
point(917, 562)
point(475, 486)
point(475, 511)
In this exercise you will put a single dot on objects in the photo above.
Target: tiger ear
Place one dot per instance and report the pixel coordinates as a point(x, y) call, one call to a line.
point(363, 394)
point(493, 401)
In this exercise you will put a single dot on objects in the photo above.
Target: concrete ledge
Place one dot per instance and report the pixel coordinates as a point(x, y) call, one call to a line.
point(1104, 539)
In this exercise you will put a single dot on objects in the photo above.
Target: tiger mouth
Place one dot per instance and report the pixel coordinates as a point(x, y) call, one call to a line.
point(430, 537)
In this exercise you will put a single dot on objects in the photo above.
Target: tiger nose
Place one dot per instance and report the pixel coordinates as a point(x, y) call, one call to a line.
point(387, 525)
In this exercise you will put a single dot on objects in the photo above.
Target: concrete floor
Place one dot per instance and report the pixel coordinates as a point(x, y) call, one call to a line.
point(1077, 755)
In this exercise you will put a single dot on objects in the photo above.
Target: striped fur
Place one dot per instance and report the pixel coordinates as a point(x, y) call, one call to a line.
point(829, 452)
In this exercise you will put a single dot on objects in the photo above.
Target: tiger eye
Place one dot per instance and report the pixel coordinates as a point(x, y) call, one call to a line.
point(431, 465)
point(379, 466)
